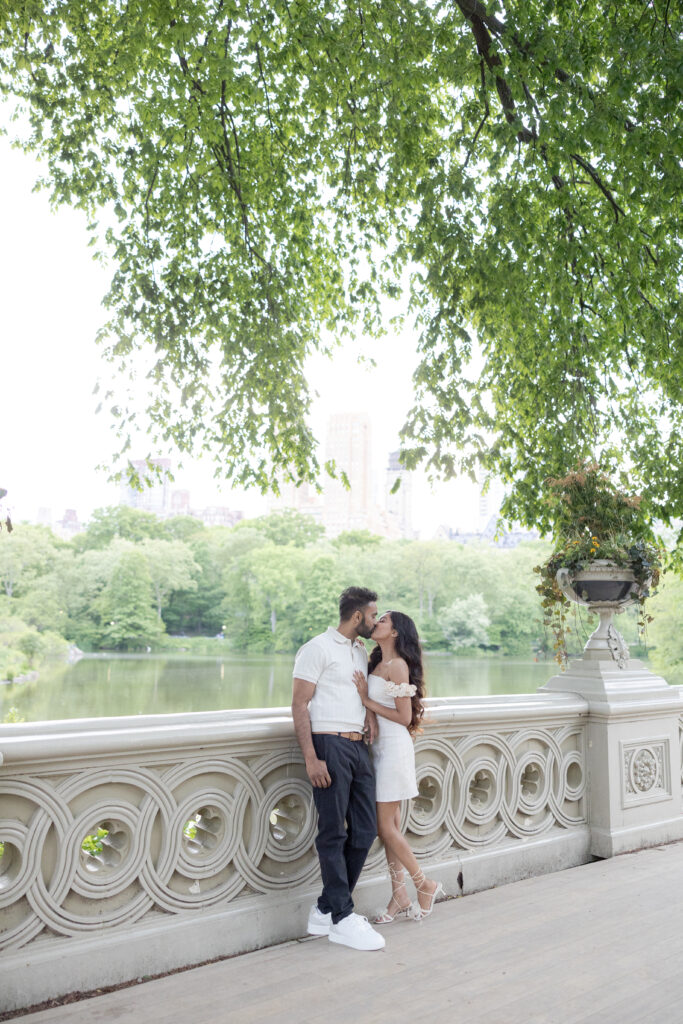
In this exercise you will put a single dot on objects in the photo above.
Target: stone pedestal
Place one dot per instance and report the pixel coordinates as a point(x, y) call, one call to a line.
point(633, 758)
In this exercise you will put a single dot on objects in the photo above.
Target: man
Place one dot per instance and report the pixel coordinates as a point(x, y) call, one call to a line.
point(329, 720)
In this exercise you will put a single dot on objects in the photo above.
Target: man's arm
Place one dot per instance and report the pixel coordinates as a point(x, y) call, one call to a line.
point(302, 692)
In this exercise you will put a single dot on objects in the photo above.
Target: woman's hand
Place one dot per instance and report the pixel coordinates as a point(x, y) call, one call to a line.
point(361, 684)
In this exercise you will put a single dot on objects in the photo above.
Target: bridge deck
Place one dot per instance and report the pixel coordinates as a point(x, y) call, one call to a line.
point(599, 943)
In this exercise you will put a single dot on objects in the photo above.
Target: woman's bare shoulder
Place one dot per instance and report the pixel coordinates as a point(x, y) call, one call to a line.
point(398, 671)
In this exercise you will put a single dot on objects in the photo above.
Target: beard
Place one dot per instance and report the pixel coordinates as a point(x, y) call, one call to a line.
point(365, 631)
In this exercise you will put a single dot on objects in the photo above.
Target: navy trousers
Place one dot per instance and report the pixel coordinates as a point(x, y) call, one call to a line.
point(347, 820)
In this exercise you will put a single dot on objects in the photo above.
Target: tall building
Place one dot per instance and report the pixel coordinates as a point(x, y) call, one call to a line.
point(69, 525)
point(486, 526)
point(399, 504)
point(155, 495)
point(218, 515)
point(180, 503)
point(44, 517)
point(490, 501)
point(349, 444)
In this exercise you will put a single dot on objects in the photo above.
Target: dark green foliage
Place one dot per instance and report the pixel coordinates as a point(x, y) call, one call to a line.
point(465, 623)
point(171, 567)
point(119, 522)
point(318, 605)
point(665, 632)
point(271, 170)
point(198, 610)
point(26, 554)
point(273, 597)
point(32, 645)
point(357, 538)
point(185, 528)
point(126, 606)
point(286, 527)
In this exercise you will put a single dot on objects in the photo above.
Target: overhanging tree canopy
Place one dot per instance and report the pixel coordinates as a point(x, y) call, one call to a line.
point(274, 166)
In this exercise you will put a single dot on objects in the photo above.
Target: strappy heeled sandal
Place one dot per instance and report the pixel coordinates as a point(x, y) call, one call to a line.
point(417, 912)
point(385, 916)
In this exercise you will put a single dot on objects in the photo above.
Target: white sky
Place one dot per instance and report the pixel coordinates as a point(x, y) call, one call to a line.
point(52, 441)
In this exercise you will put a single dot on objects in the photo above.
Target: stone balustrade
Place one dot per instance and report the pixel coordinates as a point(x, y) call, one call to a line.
point(202, 828)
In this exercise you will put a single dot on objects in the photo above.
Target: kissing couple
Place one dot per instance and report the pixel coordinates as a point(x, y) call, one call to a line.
point(341, 698)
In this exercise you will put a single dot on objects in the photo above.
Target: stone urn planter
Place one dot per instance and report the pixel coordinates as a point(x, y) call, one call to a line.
point(606, 589)
point(605, 557)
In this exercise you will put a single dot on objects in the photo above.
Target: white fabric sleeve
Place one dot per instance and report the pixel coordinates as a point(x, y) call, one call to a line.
point(399, 689)
point(310, 662)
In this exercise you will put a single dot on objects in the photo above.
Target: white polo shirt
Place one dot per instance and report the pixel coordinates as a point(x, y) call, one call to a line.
point(329, 660)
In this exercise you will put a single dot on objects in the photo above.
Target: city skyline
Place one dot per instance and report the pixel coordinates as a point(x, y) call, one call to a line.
point(51, 365)
point(348, 445)
point(389, 513)
point(368, 503)
point(386, 512)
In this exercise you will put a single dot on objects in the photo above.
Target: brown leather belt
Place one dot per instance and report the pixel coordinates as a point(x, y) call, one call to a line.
point(356, 736)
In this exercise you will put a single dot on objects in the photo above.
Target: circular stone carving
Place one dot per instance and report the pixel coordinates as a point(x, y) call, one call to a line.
point(252, 823)
point(287, 820)
point(644, 770)
point(531, 781)
point(203, 831)
point(482, 791)
point(574, 778)
point(428, 797)
point(107, 850)
point(207, 842)
point(10, 864)
point(292, 821)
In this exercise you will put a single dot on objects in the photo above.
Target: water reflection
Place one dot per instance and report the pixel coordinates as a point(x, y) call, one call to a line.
point(103, 685)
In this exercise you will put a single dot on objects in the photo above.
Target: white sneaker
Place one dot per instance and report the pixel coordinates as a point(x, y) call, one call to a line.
point(357, 932)
point(318, 923)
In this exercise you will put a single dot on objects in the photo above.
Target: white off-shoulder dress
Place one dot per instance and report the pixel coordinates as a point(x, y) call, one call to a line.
point(393, 754)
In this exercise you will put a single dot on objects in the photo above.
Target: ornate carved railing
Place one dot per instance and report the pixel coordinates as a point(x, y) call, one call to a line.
point(117, 828)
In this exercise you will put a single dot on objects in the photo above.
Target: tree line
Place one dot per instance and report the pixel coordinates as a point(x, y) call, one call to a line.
point(132, 581)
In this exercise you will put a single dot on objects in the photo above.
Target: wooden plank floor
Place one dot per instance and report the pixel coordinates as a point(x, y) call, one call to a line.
point(598, 944)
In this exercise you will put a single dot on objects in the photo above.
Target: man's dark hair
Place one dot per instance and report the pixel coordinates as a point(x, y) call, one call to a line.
point(354, 599)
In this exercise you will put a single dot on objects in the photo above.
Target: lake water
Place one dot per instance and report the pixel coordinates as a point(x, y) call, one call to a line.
point(103, 685)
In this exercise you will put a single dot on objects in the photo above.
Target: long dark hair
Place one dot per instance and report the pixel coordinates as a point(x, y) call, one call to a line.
point(408, 647)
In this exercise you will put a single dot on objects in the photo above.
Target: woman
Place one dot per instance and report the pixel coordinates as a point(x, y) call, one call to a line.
point(394, 691)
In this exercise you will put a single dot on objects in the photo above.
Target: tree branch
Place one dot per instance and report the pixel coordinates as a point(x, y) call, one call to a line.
point(361, 21)
point(472, 10)
point(648, 250)
point(232, 173)
point(589, 169)
point(484, 118)
point(475, 9)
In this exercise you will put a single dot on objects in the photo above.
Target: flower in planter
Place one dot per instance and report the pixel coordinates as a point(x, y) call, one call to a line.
point(594, 520)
